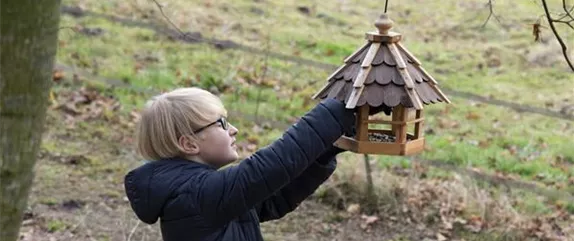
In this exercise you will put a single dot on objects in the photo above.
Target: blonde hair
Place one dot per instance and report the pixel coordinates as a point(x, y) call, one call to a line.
point(167, 117)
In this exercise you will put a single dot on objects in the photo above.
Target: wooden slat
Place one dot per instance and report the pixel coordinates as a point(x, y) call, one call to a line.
point(407, 78)
point(414, 147)
point(419, 125)
point(336, 72)
point(381, 148)
point(423, 71)
point(408, 53)
point(358, 84)
point(400, 130)
point(409, 84)
point(323, 89)
point(392, 37)
point(417, 104)
point(354, 97)
point(397, 118)
point(395, 122)
point(396, 55)
point(440, 93)
point(366, 65)
point(362, 76)
point(353, 55)
point(347, 143)
point(362, 124)
point(370, 55)
point(402, 67)
point(385, 122)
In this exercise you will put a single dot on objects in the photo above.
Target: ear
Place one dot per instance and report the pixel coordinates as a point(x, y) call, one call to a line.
point(188, 145)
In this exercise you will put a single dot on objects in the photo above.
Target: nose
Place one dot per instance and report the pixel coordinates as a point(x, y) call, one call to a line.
point(232, 130)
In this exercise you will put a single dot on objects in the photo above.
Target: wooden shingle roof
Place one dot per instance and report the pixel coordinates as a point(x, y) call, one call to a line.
point(382, 72)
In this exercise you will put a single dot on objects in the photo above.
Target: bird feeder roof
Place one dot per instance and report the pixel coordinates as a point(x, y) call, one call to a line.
point(382, 72)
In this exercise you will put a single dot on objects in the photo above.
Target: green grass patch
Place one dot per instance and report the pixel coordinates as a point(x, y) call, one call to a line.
point(492, 61)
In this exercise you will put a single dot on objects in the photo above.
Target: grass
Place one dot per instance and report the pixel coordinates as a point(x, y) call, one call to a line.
point(487, 61)
point(496, 61)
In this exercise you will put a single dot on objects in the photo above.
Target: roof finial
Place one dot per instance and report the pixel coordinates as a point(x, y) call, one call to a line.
point(384, 24)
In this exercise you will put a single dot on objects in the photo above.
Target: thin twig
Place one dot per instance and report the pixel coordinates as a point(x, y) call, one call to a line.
point(491, 14)
point(566, 11)
point(557, 35)
point(160, 7)
point(565, 22)
point(133, 231)
point(464, 22)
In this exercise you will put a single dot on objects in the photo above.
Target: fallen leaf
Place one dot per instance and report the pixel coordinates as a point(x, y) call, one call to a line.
point(474, 224)
point(329, 52)
point(447, 225)
point(256, 129)
point(472, 116)
point(484, 143)
point(69, 108)
point(440, 237)
point(354, 208)
point(369, 219)
point(494, 62)
point(253, 140)
point(447, 124)
point(57, 76)
point(251, 147)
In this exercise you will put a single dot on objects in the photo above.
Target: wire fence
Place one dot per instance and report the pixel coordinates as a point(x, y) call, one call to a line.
point(227, 44)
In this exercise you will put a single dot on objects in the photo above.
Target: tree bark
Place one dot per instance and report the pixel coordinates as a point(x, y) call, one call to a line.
point(28, 45)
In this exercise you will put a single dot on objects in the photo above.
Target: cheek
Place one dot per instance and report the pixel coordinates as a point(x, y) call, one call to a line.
point(218, 146)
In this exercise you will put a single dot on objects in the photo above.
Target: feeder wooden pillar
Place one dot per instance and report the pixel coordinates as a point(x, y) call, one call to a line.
point(399, 127)
point(362, 124)
point(384, 75)
point(419, 125)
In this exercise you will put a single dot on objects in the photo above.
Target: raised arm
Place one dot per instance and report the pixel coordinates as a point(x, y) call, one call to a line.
point(233, 191)
point(290, 197)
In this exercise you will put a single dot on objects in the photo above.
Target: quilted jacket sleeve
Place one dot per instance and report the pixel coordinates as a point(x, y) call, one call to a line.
point(290, 196)
point(228, 193)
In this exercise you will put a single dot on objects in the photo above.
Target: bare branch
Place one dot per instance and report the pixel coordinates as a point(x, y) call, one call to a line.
point(566, 11)
point(491, 14)
point(566, 22)
point(556, 34)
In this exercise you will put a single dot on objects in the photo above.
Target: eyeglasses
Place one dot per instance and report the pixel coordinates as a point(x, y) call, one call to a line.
point(221, 121)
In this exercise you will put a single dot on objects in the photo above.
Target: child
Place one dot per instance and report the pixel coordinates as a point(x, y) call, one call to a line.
point(186, 134)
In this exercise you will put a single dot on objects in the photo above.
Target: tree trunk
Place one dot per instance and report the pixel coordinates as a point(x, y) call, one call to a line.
point(28, 44)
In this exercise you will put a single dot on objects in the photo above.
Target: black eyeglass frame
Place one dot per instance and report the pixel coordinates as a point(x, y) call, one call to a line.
point(222, 121)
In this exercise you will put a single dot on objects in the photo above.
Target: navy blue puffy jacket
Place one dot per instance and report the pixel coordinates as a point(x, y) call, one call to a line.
point(194, 201)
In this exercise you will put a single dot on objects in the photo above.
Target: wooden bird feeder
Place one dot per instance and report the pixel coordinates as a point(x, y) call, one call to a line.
point(384, 75)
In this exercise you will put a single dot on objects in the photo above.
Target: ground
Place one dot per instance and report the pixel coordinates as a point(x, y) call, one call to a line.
point(109, 64)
